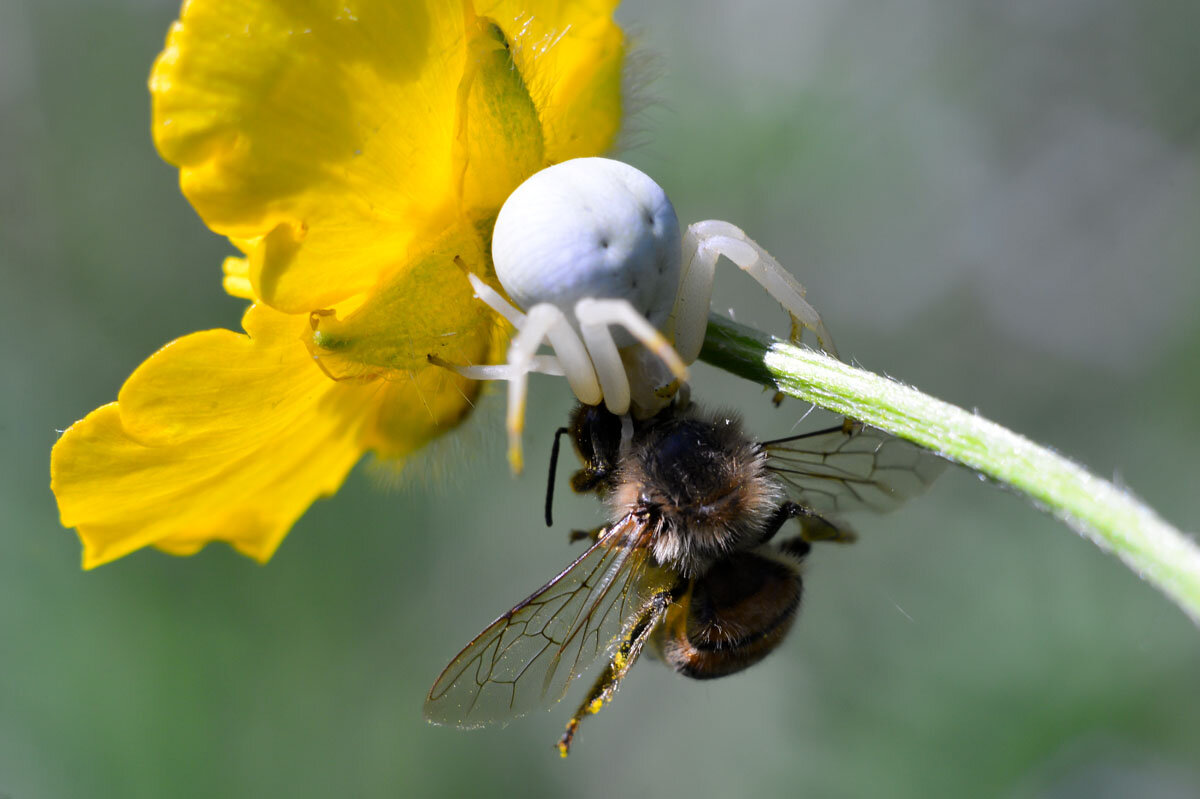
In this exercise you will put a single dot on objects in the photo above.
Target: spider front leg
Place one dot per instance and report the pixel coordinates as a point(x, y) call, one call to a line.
point(703, 244)
point(543, 323)
point(596, 319)
point(542, 364)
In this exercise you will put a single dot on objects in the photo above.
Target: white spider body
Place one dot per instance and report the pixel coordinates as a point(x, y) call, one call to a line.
point(590, 228)
point(591, 248)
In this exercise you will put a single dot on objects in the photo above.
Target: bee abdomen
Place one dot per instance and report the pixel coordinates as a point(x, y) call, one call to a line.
point(735, 614)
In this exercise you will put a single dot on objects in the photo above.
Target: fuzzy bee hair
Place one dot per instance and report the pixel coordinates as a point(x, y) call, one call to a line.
point(701, 484)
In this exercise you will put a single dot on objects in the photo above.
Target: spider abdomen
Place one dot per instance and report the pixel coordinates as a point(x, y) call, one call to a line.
point(590, 228)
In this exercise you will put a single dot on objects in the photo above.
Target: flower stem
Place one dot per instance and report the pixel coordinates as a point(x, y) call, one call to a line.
point(1109, 516)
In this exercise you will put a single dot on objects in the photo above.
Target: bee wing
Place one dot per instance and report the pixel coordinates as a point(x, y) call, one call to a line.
point(851, 467)
point(528, 657)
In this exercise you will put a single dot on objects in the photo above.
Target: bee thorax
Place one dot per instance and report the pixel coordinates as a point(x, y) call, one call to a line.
point(702, 486)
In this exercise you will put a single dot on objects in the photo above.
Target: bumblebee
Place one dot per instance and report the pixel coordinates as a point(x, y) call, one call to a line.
point(688, 564)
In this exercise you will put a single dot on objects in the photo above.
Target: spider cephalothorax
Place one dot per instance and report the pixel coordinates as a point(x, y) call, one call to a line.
point(592, 250)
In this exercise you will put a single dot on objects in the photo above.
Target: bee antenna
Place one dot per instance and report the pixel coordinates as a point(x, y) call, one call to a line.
point(558, 434)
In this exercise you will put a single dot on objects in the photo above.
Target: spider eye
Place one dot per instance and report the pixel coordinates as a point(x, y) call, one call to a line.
point(589, 228)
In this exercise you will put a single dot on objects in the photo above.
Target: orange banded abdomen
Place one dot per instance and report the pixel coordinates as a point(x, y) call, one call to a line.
point(732, 616)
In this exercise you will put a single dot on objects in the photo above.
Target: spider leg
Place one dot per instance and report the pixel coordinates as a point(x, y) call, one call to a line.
point(689, 318)
point(652, 384)
point(544, 322)
point(542, 364)
point(595, 319)
point(713, 238)
point(497, 303)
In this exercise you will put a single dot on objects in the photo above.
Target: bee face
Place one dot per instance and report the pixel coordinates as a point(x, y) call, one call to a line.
point(687, 564)
point(701, 483)
point(596, 434)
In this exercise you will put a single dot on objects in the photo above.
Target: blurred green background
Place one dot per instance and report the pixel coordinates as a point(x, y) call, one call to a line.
point(996, 202)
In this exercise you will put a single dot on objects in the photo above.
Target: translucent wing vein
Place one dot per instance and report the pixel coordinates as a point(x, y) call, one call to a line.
point(528, 657)
point(852, 467)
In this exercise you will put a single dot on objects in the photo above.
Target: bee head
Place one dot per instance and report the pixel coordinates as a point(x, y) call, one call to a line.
point(700, 483)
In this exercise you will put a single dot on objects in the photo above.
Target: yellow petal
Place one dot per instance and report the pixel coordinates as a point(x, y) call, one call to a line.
point(356, 154)
point(416, 407)
point(326, 142)
point(323, 136)
point(571, 55)
point(237, 278)
point(499, 137)
point(223, 436)
point(427, 308)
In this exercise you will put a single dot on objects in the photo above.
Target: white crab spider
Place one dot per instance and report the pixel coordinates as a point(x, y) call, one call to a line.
point(592, 248)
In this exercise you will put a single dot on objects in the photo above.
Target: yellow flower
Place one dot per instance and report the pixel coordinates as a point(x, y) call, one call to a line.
point(356, 153)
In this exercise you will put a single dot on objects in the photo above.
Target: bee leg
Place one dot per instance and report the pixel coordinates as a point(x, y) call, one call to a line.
point(627, 652)
point(579, 535)
point(797, 547)
point(818, 528)
point(785, 512)
point(813, 526)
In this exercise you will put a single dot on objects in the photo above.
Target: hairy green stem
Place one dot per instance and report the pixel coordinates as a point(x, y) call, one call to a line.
point(1109, 516)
